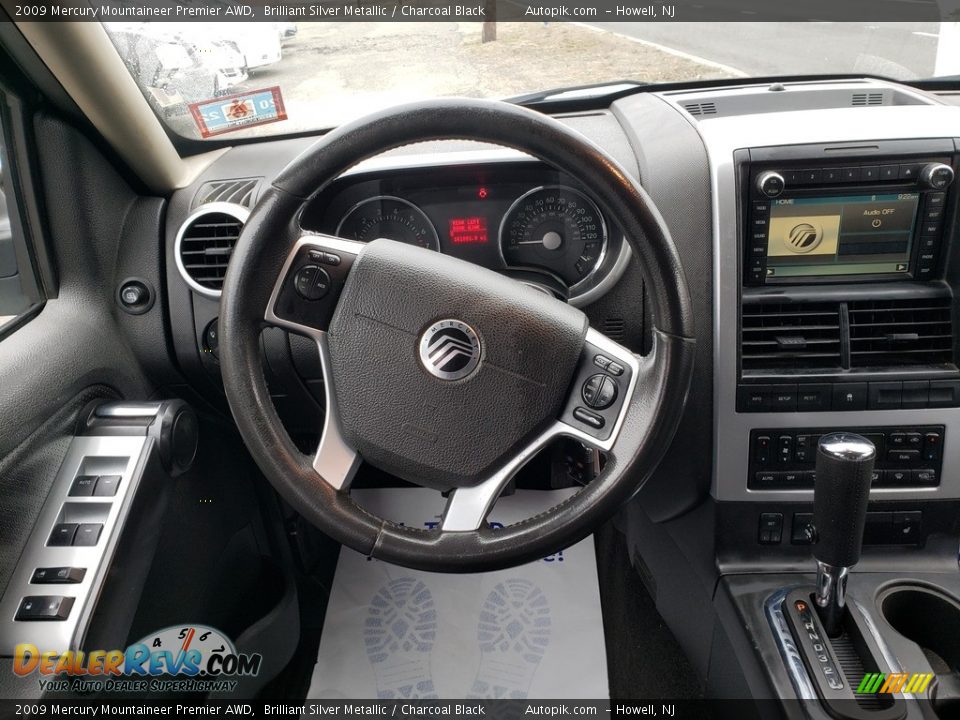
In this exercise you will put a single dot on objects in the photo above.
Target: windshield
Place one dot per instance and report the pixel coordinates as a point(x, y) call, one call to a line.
point(211, 79)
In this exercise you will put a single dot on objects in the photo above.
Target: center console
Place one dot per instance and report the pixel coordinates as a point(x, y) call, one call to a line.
point(834, 312)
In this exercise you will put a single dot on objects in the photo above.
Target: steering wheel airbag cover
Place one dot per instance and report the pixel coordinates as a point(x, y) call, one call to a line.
point(425, 429)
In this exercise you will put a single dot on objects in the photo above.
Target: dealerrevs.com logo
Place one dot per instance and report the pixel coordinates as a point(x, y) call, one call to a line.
point(183, 658)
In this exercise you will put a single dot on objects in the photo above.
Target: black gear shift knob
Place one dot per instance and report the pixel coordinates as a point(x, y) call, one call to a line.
point(841, 491)
point(844, 471)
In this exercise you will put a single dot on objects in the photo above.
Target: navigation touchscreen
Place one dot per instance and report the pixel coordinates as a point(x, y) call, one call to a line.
point(844, 235)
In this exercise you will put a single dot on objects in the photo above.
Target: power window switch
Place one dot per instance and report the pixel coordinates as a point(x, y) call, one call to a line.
point(44, 607)
point(83, 486)
point(88, 534)
point(62, 535)
point(58, 576)
point(107, 486)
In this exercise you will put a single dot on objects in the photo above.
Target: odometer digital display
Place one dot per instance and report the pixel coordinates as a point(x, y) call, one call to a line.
point(555, 228)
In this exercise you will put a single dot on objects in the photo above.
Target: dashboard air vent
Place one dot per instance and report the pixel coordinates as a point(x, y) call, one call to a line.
point(864, 99)
point(241, 192)
point(790, 335)
point(204, 244)
point(701, 108)
point(886, 333)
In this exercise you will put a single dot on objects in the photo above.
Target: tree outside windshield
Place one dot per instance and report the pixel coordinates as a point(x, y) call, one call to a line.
point(331, 72)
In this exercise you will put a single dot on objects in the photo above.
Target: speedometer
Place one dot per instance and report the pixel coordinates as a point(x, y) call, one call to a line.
point(556, 228)
point(389, 217)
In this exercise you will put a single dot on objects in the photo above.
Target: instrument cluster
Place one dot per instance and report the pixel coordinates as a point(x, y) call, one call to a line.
point(523, 219)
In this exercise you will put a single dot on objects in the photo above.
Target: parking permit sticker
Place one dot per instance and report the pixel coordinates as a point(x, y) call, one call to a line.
point(235, 112)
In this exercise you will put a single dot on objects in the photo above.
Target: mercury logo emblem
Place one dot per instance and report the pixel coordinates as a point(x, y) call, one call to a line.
point(804, 237)
point(450, 349)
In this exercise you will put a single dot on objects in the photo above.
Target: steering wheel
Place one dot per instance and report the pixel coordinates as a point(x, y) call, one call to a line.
point(443, 373)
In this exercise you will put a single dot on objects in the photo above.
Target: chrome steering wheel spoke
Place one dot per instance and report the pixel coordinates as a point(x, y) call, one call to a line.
point(301, 304)
point(586, 417)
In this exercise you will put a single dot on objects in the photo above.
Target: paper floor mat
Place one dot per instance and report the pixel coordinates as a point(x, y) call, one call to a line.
point(533, 631)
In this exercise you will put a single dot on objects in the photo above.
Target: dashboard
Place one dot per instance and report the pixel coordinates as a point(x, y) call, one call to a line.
point(816, 226)
point(519, 218)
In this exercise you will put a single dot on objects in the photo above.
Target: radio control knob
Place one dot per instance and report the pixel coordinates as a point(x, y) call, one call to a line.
point(771, 183)
point(936, 176)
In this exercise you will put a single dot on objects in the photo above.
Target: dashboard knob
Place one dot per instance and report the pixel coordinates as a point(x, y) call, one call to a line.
point(771, 183)
point(936, 176)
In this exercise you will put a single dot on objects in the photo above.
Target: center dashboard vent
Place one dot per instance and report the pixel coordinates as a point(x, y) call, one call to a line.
point(885, 333)
point(790, 335)
point(204, 244)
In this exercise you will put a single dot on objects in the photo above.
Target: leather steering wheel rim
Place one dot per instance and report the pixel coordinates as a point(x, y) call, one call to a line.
point(649, 421)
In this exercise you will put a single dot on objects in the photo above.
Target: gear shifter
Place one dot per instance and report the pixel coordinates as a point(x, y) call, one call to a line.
point(843, 474)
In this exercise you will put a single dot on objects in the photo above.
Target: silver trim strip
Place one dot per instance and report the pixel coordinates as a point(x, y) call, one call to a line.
point(233, 210)
point(789, 653)
point(722, 136)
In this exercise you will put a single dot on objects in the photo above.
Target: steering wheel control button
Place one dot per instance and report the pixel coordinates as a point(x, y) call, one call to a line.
point(589, 418)
point(602, 361)
point(599, 391)
point(83, 486)
point(44, 607)
point(615, 369)
point(58, 576)
point(325, 258)
point(312, 282)
point(62, 535)
point(450, 350)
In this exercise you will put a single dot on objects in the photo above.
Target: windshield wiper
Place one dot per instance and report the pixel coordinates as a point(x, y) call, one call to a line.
point(577, 92)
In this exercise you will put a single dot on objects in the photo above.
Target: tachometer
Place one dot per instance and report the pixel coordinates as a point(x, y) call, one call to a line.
point(389, 217)
point(557, 229)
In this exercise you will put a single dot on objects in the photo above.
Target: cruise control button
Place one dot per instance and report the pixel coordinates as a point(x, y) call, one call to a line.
point(615, 369)
point(601, 361)
point(312, 282)
point(588, 418)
